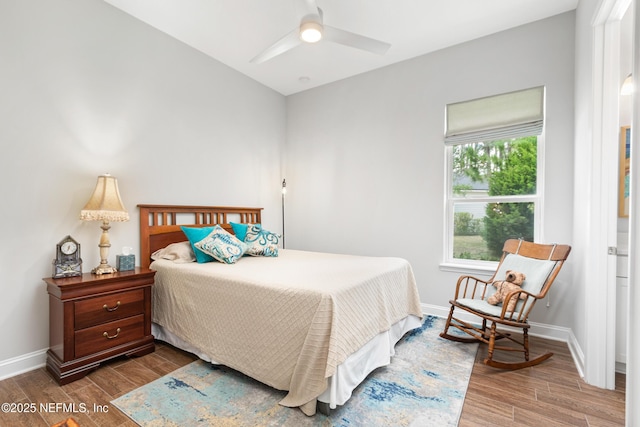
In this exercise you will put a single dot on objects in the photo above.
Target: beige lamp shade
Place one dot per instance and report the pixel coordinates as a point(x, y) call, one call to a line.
point(105, 203)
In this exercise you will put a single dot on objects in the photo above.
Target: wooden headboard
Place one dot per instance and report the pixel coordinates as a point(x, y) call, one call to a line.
point(160, 224)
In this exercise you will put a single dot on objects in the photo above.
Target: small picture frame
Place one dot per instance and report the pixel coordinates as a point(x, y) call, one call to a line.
point(625, 169)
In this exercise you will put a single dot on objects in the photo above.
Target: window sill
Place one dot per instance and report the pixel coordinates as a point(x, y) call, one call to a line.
point(484, 269)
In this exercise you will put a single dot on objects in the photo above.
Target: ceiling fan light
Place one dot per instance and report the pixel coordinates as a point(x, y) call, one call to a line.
point(627, 86)
point(310, 32)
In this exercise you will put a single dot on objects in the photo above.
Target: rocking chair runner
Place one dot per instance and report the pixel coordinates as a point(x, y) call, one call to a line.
point(541, 264)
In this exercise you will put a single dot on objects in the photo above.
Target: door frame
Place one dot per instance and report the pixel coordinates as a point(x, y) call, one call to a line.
point(599, 368)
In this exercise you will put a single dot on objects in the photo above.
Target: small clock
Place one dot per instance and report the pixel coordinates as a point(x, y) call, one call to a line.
point(67, 262)
point(69, 247)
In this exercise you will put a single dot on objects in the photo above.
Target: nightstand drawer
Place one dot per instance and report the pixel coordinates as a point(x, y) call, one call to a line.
point(107, 308)
point(102, 337)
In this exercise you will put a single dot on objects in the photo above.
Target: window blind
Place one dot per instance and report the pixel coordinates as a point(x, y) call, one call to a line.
point(508, 115)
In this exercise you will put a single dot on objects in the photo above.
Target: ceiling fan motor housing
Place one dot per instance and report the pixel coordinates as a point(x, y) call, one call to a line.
point(311, 31)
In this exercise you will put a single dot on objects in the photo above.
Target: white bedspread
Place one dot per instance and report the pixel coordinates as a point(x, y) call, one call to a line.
point(285, 321)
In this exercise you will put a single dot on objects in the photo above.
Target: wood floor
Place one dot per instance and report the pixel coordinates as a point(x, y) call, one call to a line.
point(550, 394)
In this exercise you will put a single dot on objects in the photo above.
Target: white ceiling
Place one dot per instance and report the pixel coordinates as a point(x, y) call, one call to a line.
point(234, 31)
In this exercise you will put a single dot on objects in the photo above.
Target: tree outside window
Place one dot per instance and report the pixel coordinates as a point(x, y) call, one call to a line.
point(493, 195)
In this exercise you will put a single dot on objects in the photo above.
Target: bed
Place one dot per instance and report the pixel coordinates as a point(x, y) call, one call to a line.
point(312, 324)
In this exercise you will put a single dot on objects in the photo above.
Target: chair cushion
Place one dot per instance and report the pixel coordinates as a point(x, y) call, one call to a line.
point(481, 306)
point(536, 271)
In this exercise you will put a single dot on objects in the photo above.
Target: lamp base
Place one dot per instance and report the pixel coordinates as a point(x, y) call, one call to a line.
point(104, 269)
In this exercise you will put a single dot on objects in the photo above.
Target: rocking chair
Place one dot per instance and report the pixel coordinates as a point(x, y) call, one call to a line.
point(541, 264)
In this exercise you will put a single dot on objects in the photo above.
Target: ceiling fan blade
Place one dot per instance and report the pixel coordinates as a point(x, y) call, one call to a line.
point(286, 43)
point(347, 38)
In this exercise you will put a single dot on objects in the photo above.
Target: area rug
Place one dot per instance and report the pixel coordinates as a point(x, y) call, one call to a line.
point(424, 385)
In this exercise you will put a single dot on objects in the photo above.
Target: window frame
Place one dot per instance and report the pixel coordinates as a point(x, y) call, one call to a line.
point(470, 266)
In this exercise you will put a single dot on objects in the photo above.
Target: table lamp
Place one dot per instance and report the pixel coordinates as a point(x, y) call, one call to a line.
point(105, 205)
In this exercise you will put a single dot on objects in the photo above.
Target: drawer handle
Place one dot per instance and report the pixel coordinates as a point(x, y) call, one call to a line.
point(114, 308)
point(110, 337)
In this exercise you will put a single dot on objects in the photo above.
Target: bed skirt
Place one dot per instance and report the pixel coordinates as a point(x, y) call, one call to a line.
point(348, 375)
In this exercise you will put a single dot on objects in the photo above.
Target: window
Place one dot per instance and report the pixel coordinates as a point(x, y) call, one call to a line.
point(494, 147)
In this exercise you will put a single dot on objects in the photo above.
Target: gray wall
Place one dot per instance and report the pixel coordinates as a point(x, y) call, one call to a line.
point(86, 89)
point(365, 158)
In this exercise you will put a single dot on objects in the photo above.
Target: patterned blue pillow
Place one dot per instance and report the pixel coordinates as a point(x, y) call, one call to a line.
point(261, 242)
point(222, 245)
point(240, 229)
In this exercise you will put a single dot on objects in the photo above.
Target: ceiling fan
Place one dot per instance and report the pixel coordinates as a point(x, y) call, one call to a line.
point(312, 30)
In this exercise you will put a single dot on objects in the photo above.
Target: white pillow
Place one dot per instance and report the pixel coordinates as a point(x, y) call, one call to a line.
point(177, 252)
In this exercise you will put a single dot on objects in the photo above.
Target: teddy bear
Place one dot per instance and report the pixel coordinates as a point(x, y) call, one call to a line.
point(513, 281)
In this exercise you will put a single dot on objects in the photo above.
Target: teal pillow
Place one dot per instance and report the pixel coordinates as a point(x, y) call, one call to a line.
point(222, 245)
point(240, 230)
point(194, 235)
point(261, 242)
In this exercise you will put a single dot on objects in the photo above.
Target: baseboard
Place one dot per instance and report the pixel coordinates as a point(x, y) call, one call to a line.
point(576, 353)
point(542, 330)
point(24, 363)
point(37, 359)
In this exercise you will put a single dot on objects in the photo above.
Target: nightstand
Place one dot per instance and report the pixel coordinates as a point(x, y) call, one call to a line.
point(94, 318)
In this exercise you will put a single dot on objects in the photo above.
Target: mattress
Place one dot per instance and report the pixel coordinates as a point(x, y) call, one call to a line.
point(289, 321)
